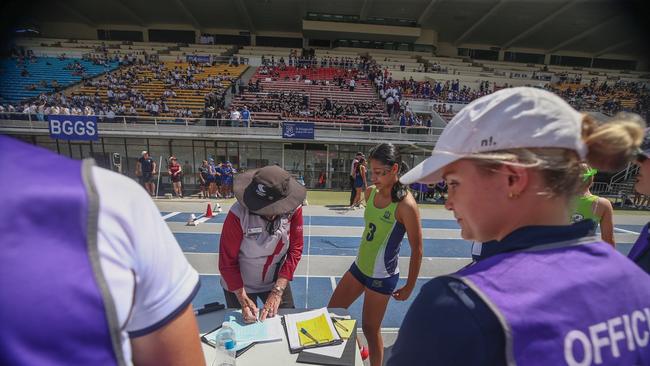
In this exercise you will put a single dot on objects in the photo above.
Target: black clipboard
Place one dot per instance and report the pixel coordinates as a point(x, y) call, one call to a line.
point(240, 352)
point(348, 357)
point(298, 350)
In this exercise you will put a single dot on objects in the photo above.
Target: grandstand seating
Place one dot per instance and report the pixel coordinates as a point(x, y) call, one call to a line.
point(185, 98)
point(13, 88)
point(286, 82)
point(469, 72)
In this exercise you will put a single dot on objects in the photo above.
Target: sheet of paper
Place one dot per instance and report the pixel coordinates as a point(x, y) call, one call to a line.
point(292, 319)
point(317, 328)
point(335, 351)
point(345, 327)
point(266, 331)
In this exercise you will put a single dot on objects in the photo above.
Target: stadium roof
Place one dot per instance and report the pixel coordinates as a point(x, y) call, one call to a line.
point(592, 26)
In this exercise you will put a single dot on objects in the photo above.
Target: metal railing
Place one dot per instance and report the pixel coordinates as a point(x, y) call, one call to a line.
point(16, 122)
point(630, 171)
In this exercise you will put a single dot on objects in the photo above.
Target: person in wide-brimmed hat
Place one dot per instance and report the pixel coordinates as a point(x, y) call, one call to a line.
point(261, 242)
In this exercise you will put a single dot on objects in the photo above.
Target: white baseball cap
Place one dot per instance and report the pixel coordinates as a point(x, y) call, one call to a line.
point(510, 118)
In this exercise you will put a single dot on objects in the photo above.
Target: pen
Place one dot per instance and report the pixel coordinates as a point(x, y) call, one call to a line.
point(336, 322)
point(305, 332)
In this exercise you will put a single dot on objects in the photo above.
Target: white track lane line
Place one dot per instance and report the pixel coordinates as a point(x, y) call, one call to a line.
point(333, 283)
point(626, 231)
point(171, 214)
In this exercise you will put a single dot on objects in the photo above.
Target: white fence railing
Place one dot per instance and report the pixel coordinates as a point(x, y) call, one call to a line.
point(177, 126)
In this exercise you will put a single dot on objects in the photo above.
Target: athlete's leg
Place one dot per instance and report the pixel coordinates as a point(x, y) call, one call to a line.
point(346, 292)
point(374, 308)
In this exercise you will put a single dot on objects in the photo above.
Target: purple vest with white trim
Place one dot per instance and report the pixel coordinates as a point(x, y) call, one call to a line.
point(641, 245)
point(52, 307)
point(578, 303)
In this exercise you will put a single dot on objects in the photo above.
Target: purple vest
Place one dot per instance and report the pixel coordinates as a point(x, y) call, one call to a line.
point(55, 308)
point(572, 303)
point(642, 244)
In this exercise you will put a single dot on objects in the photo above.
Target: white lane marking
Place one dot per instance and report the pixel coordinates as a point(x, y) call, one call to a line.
point(171, 214)
point(202, 220)
point(333, 283)
point(626, 231)
point(349, 257)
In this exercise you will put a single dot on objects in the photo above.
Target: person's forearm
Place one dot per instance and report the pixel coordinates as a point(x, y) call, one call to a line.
point(414, 266)
point(282, 282)
point(241, 294)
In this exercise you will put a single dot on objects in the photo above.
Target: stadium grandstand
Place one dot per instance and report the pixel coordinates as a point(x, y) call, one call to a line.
point(306, 85)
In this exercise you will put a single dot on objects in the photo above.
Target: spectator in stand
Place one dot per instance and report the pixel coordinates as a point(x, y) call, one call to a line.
point(245, 116)
point(235, 117)
point(390, 101)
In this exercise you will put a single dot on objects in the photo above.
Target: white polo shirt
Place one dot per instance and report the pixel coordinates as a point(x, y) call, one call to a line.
point(147, 274)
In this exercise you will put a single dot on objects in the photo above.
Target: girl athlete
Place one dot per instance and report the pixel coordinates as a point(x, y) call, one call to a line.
point(591, 207)
point(391, 211)
point(360, 183)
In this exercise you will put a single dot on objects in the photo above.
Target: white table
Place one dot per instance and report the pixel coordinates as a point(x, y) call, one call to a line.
point(264, 354)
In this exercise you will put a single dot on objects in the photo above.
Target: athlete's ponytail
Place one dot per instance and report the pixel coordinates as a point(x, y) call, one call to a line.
point(388, 154)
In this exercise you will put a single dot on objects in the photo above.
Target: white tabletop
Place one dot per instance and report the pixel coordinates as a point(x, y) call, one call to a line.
point(267, 354)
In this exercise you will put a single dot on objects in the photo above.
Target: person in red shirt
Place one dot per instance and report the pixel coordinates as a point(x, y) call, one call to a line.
point(261, 242)
point(175, 171)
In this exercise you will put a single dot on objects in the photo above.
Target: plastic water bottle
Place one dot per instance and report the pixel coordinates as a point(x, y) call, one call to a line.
point(225, 346)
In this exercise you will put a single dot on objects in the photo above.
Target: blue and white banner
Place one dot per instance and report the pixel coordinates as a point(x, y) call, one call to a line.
point(298, 130)
point(73, 127)
point(199, 58)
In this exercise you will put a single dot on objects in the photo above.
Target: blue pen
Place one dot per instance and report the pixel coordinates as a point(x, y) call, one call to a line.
point(305, 332)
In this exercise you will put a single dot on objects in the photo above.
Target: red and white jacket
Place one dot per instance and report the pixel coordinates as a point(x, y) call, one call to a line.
point(249, 256)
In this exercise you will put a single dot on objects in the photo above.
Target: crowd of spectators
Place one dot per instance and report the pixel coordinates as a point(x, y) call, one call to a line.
point(288, 104)
point(123, 95)
point(308, 59)
point(606, 97)
point(330, 109)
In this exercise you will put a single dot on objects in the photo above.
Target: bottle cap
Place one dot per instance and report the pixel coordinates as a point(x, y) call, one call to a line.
point(229, 344)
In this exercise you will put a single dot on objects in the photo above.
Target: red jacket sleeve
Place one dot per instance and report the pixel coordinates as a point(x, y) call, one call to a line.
point(296, 243)
point(229, 244)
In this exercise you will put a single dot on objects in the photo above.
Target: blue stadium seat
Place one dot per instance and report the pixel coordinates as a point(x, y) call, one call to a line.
point(13, 85)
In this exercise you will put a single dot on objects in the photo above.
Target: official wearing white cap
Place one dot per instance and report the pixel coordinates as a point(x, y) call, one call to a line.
point(540, 291)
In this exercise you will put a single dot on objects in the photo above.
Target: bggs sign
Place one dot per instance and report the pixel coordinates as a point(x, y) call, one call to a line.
point(73, 127)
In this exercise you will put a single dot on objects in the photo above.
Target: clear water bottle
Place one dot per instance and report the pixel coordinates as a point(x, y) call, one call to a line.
point(225, 346)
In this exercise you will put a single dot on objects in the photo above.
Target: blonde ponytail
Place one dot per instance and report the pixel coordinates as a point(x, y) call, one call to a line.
point(613, 144)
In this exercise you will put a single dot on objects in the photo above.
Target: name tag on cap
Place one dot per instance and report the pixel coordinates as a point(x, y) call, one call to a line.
point(254, 230)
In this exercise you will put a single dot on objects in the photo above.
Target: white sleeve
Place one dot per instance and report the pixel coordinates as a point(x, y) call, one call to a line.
point(148, 276)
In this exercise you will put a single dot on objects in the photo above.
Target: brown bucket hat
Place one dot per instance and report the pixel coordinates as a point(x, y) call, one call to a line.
point(268, 191)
